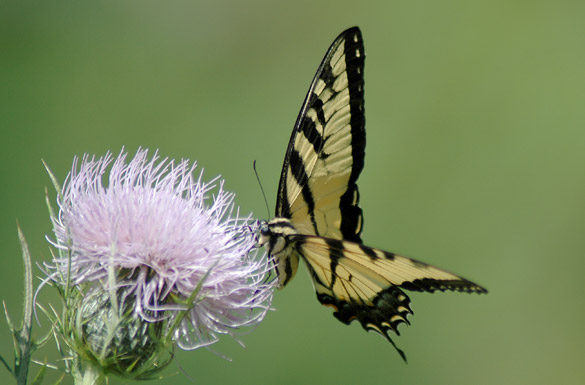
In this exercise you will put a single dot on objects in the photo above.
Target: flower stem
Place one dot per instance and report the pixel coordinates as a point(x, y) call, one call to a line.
point(22, 337)
point(91, 374)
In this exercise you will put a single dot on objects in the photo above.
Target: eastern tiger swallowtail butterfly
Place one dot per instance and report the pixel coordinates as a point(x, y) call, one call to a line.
point(318, 218)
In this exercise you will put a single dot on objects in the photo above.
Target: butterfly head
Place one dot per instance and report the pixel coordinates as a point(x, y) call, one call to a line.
point(275, 234)
point(279, 236)
point(264, 233)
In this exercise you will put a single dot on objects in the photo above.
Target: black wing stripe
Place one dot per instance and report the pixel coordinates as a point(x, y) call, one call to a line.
point(298, 171)
point(312, 134)
point(318, 107)
point(352, 218)
point(369, 252)
point(334, 246)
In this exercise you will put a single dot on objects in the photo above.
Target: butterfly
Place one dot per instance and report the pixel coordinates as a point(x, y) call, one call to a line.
point(318, 218)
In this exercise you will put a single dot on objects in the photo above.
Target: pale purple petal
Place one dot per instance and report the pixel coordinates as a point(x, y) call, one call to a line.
point(167, 230)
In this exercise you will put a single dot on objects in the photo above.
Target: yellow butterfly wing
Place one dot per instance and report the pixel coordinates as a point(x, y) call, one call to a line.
point(325, 155)
point(364, 284)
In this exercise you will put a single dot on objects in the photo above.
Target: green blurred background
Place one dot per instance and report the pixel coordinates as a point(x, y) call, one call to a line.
point(475, 163)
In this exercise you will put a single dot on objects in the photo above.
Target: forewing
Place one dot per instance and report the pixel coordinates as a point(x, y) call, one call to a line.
point(325, 155)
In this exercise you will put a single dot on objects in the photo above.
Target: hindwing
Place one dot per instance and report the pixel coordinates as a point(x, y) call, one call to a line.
point(362, 283)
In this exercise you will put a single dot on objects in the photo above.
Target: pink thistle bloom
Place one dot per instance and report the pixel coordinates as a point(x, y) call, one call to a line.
point(172, 247)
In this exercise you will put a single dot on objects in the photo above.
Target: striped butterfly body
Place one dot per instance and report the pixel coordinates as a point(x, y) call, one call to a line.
point(318, 218)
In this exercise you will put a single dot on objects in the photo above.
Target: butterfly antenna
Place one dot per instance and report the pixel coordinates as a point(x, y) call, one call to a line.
point(261, 189)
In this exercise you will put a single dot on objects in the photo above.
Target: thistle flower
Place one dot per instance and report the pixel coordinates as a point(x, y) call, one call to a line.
point(148, 254)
